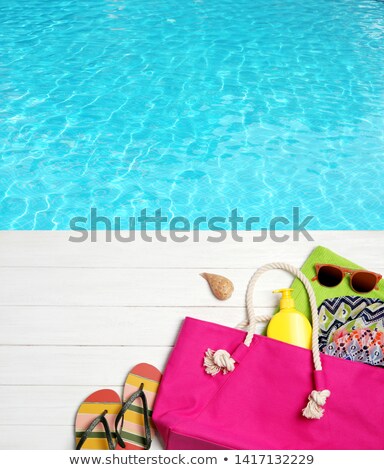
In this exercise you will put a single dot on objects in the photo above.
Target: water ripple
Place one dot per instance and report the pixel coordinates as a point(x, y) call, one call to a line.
point(195, 106)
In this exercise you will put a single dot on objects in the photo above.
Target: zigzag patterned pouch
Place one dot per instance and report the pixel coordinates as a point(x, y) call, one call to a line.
point(343, 315)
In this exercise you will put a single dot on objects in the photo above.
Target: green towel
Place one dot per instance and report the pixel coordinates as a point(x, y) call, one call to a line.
point(324, 256)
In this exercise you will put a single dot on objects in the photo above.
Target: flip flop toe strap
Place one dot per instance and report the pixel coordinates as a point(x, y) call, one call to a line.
point(100, 419)
point(120, 417)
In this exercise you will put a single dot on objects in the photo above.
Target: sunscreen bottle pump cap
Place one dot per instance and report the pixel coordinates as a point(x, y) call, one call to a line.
point(286, 300)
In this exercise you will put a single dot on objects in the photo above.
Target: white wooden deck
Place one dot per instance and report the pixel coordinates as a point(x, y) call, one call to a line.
point(76, 317)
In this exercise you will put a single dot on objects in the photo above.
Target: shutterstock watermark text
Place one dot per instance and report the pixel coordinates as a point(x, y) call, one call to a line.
point(158, 226)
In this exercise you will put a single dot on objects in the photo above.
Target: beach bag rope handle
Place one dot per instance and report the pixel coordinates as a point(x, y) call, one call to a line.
point(222, 361)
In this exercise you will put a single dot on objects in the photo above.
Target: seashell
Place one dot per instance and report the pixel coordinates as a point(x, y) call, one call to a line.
point(221, 287)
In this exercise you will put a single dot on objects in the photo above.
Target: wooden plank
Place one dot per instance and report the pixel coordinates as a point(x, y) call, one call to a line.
point(128, 287)
point(49, 411)
point(90, 311)
point(48, 248)
point(49, 408)
point(74, 365)
point(43, 438)
point(98, 326)
point(45, 406)
point(52, 406)
point(39, 437)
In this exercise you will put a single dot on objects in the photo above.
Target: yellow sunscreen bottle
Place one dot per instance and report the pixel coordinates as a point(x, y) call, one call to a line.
point(289, 325)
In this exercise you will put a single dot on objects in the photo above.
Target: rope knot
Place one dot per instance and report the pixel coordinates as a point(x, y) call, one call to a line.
point(316, 401)
point(216, 361)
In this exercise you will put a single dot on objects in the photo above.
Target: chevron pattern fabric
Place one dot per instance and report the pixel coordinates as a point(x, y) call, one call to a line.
point(349, 314)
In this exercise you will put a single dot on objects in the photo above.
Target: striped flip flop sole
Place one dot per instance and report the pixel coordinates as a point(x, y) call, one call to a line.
point(133, 433)
point(90, 409)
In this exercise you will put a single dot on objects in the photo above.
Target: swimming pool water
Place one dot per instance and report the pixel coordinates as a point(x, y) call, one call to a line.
point(195, 106)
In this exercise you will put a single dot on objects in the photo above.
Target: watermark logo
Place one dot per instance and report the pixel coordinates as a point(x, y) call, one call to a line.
point(179, 229)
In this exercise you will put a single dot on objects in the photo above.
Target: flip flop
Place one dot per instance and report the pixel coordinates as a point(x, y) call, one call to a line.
point(95, 419)
point(133, 425)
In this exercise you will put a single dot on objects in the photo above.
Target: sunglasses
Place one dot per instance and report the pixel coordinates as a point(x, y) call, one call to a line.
point(361, 281)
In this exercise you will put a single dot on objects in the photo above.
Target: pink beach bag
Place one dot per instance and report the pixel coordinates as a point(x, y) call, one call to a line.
point(224, 388)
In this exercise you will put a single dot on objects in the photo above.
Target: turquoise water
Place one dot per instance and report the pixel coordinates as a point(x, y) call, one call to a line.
point(196, 107)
